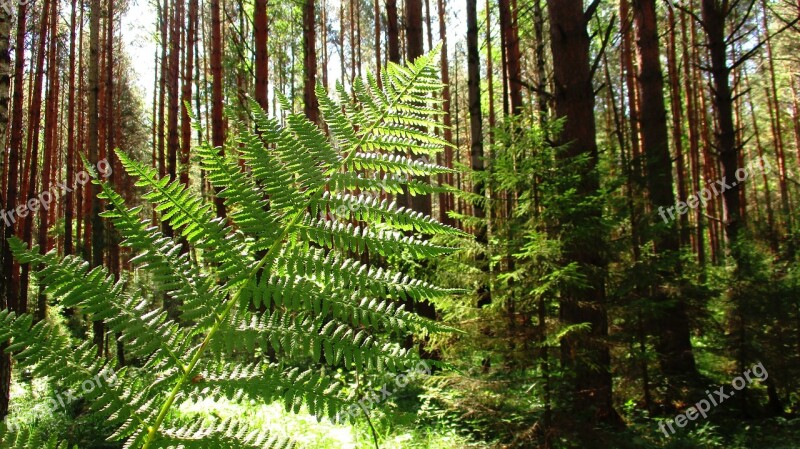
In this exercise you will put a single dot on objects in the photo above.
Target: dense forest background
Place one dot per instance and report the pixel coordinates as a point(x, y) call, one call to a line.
point(612, 186)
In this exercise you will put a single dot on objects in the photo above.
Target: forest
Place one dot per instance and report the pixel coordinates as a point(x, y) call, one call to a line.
point(362, 224)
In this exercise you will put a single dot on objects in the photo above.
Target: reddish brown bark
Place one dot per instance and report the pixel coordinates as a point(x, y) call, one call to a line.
point(262, 59)
point(512, 56)
point(69, 208)
point(674, 344)
point(186, 94)
point(311, 105)
point(34, 124)
point(446, 199)
point(586, 355)
point(93, 140)
point(50, 126)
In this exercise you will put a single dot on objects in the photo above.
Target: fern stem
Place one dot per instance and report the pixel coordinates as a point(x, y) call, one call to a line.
point(165, 407)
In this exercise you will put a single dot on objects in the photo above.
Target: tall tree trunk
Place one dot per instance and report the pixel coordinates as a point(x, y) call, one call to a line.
point(585, 354)
point(34, 123)
point(50, 126)
point(776, 118)
point(674, 345)
point(163, 14)
point(69, 208)
point(217, 125)
point(392, 31)
point(377, 7)
point(311, 105)
point(262, 58)
point(415, 48)
point(446, 199)
point(677, 123)
point(475, 114)
point(490, 71)
point(173, 133)
point(541, 74)
point(93, 138)
point(714, 18)
point(186, 94)
point(512, 56)
point(8, 292)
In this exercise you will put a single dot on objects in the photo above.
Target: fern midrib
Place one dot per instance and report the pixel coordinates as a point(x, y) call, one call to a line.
point(275, 246)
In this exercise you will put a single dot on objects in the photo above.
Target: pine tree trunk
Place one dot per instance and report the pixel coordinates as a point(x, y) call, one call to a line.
point(392, 31)
point(585, 355)
point(69, 208)
point(475, 114)
point(674, 345)
point(311, 105)
point(186, 94)
point(32, 158)
point(512, 56)
point(677, 124)
point(163, 14)
point(377, 7)
point(173, 133)
point(7, 291)
point(93, 139)
point(262, 59)
point(50, 126)
point(446, 199)
point(217, 125)
point(714, 17)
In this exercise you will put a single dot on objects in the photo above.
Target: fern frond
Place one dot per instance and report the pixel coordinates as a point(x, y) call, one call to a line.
point(221, 435)
point(276, 278)
point(383, 213)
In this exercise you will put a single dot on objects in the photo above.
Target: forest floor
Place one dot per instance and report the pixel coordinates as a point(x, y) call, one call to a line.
point(415, 424)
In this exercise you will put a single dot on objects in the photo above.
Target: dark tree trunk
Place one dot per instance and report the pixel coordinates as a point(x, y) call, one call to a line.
point(674, 346)
point(446, 199)
point(377, 7)
point(585, 354)
point(50, 126)
point(69, 208)
point(93, 140)
point(217, 125)
point(475, 115)
point(414, 39)
point(512, 55)
point(262, 58)
point(714, 16)
point(186, 94)
point(392, 31)
point(311, 105)
point(8, 289)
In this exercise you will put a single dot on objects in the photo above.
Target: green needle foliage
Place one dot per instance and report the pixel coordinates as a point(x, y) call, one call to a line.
point(276, 297)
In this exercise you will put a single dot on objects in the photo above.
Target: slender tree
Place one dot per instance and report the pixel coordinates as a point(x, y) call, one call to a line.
point(262, 58)
point(311, 105)
point(8, 294)
point(217, 125)
point(512, 55)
